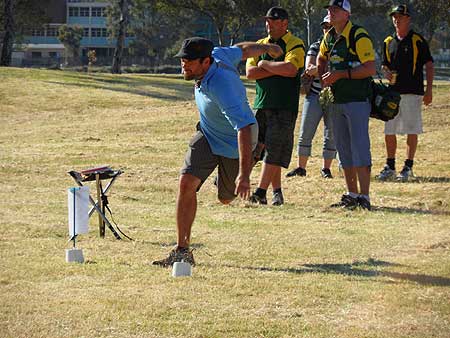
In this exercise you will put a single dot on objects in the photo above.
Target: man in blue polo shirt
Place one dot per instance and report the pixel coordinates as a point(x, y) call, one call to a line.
point(226, 134)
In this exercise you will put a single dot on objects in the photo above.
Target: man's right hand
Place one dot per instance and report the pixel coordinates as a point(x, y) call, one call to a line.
point(242, 186)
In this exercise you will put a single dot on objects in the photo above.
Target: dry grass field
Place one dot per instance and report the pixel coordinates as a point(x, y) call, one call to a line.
point(300, 270)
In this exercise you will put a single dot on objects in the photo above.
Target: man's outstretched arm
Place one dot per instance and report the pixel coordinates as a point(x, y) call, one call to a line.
point(253, 49)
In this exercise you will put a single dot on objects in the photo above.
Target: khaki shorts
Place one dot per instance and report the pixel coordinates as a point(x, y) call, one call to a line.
point(409, 118)
point(200, 162)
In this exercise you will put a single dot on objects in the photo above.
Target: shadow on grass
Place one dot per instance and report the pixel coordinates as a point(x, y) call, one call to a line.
point(355, 269)
point(426, 179)
point(402, 210)
point(183, 88)
point(183, 92)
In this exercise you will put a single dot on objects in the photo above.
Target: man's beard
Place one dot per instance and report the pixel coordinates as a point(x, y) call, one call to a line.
point(189, 76)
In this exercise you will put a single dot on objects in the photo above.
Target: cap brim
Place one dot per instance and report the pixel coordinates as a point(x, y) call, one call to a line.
point(184, 56)
point(274, 18)
point(398, 12)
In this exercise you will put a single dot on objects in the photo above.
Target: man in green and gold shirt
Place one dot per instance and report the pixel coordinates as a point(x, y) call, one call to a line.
point(276, 102)
point(348, 51)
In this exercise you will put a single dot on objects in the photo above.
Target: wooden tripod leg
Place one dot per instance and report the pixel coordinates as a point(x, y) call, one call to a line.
point(101, 223)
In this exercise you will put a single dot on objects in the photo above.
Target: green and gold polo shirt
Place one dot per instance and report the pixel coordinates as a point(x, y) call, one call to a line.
point(280, 92)
point(340, 53)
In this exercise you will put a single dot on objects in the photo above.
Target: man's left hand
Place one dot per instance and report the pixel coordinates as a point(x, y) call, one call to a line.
point(329, 78)
point(242, 187)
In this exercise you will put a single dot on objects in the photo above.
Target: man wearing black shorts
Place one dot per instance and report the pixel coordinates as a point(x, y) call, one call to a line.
point(276, 102)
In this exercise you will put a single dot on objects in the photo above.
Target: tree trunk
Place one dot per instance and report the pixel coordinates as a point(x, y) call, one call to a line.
point(123, 24)
point(8, 38)
point(307, 12)
point(220, 35)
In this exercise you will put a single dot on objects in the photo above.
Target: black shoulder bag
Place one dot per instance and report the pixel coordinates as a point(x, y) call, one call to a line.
point(384, 100)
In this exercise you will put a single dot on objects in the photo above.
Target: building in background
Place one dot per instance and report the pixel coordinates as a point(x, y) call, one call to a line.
point(42, 46)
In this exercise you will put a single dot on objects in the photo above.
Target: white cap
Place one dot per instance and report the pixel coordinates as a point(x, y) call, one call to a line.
point(344, 4)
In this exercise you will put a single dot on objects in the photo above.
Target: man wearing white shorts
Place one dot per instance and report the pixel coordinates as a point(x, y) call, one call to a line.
point(404, 56)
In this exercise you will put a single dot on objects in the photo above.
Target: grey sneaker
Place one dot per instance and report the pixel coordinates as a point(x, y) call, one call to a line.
point(277, 198)
point(387, 174)
point(405, 174)
point(346, 202)
point(177, 255)
point(255, 199)
point(296, 172)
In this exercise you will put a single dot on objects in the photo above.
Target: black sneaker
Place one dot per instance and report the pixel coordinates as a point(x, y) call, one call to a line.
point(326, 173)
point(364, 203)
point(277, 198)
point(255, 199)
point(296, 172)
point(177, 255)
point(346, 202)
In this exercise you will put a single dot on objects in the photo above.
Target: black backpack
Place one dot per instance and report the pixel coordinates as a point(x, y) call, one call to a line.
point(384, 100)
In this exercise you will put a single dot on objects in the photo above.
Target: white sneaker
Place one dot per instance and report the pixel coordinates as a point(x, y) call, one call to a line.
point(405, 174)
point(387, 174)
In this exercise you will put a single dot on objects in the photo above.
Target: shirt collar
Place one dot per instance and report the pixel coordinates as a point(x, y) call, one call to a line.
point(209, 73)
point(285, 37)
point(346, 32)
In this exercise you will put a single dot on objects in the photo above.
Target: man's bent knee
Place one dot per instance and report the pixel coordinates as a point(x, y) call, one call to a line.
point(189, 183)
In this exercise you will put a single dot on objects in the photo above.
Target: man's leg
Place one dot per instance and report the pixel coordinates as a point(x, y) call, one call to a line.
point(186, 208)
point(364, 180)
point(350, 175)
point(411, 146)
point(391, 145)
point(276, 178)
point(267, 175)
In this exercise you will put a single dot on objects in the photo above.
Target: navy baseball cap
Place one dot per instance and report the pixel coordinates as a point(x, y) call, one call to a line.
point(195, 48)
point(401, 9)
point(277, 13)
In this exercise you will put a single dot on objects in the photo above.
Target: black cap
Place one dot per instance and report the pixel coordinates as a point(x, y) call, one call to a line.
point(195, 48)
point(277, 13)
point(401, 9)
point(344, 4)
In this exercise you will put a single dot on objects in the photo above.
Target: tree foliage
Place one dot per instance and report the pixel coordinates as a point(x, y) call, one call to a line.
point(156, 28)
point(16, 18)
point(70, 37)
point(230, 16)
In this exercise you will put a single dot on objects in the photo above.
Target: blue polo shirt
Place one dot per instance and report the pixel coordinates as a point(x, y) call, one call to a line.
point(222, 102)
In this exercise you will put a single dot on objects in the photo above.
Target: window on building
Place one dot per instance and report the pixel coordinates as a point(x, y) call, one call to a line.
point(96, 32)
point(53, 55)
point(37, 32)
point(98, 11)
point(36, 55)
point(104, 33)
point(84, 11)
point(52, 31)
point(74, 11)
point(86, 32)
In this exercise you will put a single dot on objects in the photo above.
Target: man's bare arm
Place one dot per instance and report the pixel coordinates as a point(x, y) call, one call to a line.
point(429, 70)
point(282, 68)
point(253, 49)
point(245, 162)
